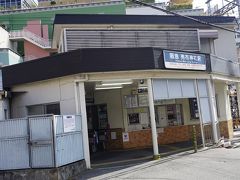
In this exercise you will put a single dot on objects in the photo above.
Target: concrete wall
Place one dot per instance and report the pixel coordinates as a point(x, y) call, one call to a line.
point(4, 109)
point(57, 90)
point(114, 106)
point(144, 11)
point(14, 58)
point(32, 51)
point(8, 57)
point(205, 45)
point(223, 103)
point(4, 39)
point(225, 45)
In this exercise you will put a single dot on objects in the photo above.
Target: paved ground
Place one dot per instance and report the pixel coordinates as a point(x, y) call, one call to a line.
point(121, 157)
point(218, 163)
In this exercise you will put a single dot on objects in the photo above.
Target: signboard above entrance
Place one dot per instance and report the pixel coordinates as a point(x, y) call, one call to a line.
point(184, 60)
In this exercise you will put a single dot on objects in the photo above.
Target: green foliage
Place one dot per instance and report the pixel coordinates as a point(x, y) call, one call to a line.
point(53, 3)
point(130, 3)
point(179, 6)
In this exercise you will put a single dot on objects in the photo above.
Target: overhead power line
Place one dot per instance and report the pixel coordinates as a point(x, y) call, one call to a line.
point(183, 16)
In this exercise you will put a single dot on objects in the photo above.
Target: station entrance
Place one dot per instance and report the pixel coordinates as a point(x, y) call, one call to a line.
point(118, 118)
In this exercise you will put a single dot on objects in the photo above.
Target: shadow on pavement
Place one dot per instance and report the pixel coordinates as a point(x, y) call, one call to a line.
point(124, 161)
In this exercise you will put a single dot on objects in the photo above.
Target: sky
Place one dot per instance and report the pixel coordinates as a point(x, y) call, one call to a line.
point(200, 3)
point(214, 4)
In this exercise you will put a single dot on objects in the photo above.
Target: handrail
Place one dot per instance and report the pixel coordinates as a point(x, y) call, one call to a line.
point(223, 59)
point(31, 36)
point(225, 66)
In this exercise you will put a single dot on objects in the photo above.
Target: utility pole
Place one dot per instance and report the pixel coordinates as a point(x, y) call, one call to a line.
point(208, 7)
point(238, 3)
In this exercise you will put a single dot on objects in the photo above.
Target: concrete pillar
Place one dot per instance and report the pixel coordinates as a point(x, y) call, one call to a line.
point(213, 109)
point(152, 119)
point(81, 109)
point(238, 97)
point(200, 113)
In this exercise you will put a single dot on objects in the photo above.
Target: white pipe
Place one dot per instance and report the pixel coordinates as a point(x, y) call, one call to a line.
point(213, 109)
point(80, 90)
point(152, 118)
point(199, 112)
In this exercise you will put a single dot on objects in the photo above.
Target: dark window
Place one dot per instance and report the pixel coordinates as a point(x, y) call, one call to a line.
point(193, 108)
point(53, 109)
point(44, 109)
point(133, 118)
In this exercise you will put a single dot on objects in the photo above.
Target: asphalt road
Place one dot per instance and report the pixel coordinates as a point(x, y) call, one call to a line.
point(212, 164)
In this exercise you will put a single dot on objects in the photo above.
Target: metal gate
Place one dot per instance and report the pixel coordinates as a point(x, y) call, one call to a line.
point(41, 141)
point(208, 134)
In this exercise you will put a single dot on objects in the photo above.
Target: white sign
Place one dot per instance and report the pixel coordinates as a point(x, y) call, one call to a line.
point(184, 60)
point(113, 135)
point(125, 137)
point(69, 123)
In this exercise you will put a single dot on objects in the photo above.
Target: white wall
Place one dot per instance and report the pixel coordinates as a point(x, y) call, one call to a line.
point(4, 39)
point(205, 45)
point(144, 11)
point(223, 103)
point(114, 106)
point(57, 90)
point(225, 45)
point(4, 106)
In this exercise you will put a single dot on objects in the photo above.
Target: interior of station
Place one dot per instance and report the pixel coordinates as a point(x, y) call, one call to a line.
point(119, 119)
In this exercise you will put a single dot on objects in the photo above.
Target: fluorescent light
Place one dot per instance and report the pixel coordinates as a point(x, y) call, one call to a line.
point(116, 83)
point(108, 87)
point(112, 83)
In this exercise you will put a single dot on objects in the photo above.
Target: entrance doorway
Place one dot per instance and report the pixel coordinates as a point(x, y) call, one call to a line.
point(97, 127)
point(119, 122)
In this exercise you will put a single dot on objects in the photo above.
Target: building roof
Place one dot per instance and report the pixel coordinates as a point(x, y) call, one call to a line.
point(84, 61)
point(137, 19)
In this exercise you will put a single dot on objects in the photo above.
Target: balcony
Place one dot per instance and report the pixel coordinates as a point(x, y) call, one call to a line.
point(29, 36)
point(8, 57)
point(223, 66)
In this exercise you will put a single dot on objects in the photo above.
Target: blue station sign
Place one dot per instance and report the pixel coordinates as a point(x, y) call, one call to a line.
point(184, 60)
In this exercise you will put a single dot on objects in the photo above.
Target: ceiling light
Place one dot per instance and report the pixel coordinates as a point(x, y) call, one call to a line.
point(108, 87)
point(112, 83)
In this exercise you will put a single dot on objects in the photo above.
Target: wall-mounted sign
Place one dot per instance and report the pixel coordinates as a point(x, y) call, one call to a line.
point(125, 136)
point(184, 60)
point(69, 123)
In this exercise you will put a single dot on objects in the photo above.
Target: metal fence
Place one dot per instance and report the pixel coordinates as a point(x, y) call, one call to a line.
point(225, 67)
point(40, 141)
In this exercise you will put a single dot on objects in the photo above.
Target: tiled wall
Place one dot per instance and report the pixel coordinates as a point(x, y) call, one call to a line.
point(226, 129)
point(168, 135)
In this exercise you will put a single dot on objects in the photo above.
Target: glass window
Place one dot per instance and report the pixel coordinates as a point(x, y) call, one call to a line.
point(169, 115)
point(44, 109)
point(53, 109)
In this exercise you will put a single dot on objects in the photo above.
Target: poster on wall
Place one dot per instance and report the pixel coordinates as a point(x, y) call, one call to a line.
point(143, 100)
point(125, 137)
point(131, 101)
point(69, 123)
point(133, 118)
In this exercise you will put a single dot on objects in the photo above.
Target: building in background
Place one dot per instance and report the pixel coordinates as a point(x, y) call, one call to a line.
point(46, 3)
point(180, 7)
point(17, 4)
point(7, 54)
point(31, 29)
